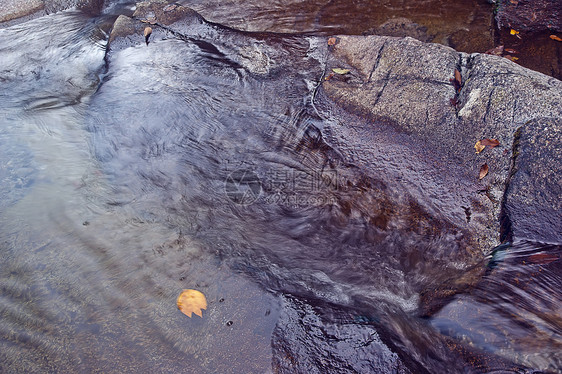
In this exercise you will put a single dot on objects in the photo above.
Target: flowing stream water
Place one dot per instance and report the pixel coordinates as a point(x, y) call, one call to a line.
point(178, 166)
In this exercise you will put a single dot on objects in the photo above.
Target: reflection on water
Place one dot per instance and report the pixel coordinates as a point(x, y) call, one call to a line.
point(83, 277)
point(467, 26)
point(123, 185)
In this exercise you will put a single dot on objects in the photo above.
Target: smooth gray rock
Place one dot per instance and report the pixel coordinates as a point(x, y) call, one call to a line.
point(533, 200)
point(11, 9)
point(405, 85)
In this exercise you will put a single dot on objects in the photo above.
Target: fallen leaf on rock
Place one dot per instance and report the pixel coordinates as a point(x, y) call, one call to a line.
point(458, 77)
point(340, 71)
point(495, 51)
point(329, 76)
point(332, 41)
point(554, 37)
point(169, 7)
point(192, 301)
point(512, 58)
point(151, 20)
point(483, 171)
point(147, 32)
point(479, 146)
point(455, 84)
point(543, 258)
point(489, 142)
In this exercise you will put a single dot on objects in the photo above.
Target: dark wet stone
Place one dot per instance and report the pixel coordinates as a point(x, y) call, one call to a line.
point(305, 342)
point(533, 204)
point(530, 15)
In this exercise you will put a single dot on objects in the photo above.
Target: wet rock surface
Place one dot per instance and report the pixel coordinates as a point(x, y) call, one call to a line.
point(530, 15)
point(400, 136)
point(12, 10)
point(532, 204)
point(396, 82)
point(305, 342)
point(394, 225)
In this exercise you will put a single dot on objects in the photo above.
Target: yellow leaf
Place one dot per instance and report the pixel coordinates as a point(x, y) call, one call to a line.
point(192, 301)
point(479, 147)
point(554, 37)
point(514, 32)
point(340, 71)
point(490, 142)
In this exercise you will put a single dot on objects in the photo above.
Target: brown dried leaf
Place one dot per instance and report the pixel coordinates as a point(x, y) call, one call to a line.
point(543, 258)
point(497, 51)
point(458, 77)
point(483, 171)
point(479, 146)
point(455, 84)
point(489, 142)
point(192, 301)
point(512, 51)
point(332, 41)
point(147, 32)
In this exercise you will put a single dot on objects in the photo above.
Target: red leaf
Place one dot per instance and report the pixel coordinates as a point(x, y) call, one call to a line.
point(543, 258)
point(495, 51)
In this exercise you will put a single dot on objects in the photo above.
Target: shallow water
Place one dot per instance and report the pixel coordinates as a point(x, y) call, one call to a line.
point(199, 162)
